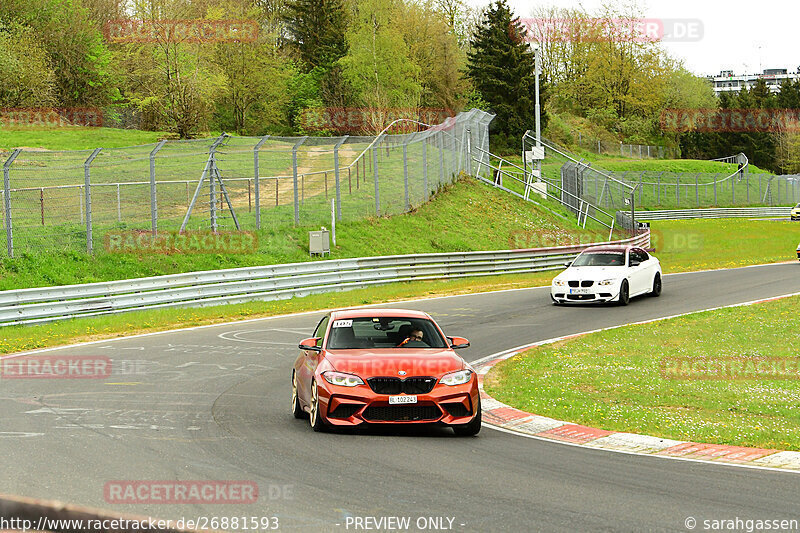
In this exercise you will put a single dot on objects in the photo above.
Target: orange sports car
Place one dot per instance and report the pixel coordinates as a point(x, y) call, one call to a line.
point(384, 366)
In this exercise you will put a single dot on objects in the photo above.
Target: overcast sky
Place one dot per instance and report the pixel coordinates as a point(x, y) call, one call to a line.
point(743, 36)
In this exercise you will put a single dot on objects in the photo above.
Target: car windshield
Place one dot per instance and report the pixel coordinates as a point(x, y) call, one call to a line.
point(600, 259)
point(384, 332)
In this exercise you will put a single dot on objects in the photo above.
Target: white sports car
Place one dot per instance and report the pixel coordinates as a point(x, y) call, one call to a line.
point(608, 273)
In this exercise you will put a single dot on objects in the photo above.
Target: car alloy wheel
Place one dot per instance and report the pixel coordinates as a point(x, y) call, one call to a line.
point(472, 427)
point(624, 294)
point(656, 286)
point(314, 416)
point(297, 410)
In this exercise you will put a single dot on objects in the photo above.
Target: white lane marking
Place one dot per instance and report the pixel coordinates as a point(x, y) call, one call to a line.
point(22, 434)
point(234, 336)
point(323, 311)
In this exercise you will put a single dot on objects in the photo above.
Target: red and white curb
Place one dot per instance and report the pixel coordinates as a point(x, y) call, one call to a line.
point(500, 415)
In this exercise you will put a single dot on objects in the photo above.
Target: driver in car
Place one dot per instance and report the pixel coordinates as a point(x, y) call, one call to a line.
point(414, 335)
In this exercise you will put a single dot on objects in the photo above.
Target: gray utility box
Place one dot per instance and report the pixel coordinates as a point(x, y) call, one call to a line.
point(319, 242)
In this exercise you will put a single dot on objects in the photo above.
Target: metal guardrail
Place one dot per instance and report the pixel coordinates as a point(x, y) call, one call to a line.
point(717, 212)
point(274, 282)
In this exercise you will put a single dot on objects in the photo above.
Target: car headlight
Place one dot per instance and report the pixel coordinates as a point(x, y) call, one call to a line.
point(456, 378)
point(342, 379)
point(607, 282)
point(559, 282)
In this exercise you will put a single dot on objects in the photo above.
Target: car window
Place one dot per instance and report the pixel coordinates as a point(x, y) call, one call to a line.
point(636, 255)
point(600, 258)
point(320, 331)
point(384, 332)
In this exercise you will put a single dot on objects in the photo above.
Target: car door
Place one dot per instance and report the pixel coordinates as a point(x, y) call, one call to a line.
point(311, 361)
point(638, 272)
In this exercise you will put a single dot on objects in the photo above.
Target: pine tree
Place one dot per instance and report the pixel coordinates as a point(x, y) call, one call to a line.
point(317, 28)
point(501, 67)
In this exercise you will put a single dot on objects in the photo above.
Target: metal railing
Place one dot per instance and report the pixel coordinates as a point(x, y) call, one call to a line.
point(69, 200)
point(274, 282)
point(720, 212)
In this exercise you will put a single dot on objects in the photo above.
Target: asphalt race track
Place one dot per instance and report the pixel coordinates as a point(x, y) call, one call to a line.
point(213, 404)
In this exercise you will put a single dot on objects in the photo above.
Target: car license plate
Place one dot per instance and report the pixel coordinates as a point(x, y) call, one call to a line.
point(579, 291)
point(394, 400)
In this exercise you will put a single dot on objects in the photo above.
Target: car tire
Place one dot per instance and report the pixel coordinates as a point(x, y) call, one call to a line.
point(471, 428)
point(297, 410)
point(314, 416)
point(624, 293)
point(656, 292)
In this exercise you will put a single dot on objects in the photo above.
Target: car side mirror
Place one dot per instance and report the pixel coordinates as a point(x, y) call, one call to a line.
point(310, 344)
point(457, 343)
point(568, 264)
point(635, 263)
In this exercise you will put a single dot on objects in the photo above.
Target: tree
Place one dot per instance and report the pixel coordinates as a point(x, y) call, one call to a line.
point(378, 66)
point(501, 67)
point(28, 80)
point(317, 29)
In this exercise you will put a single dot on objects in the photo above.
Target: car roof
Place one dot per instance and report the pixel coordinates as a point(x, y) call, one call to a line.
point(608, 249)
point(373, 312)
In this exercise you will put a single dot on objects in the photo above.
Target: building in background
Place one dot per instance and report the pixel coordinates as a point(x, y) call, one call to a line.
point(726, 81)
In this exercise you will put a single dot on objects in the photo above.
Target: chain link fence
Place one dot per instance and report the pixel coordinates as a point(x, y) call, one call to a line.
point(637, 151)
point(71, 200)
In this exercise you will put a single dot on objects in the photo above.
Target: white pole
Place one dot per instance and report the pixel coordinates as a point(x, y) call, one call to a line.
point(333, 219)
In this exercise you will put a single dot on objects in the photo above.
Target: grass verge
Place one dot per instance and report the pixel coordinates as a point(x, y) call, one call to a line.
point(615, 379)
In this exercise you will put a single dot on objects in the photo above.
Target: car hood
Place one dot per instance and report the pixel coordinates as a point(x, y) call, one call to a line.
point(368, 363)
point(592, 272)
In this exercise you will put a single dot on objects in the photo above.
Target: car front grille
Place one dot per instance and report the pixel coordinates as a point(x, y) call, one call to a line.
point(402, 413)
point(573, 283)
point(416, 385)
point(580, 297)
point(585, 283)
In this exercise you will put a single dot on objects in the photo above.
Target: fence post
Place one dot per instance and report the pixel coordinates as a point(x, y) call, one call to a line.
point(294, 176)
point(256, 184)
point(7, 200)
point(375, 173)
point(715, 190)
point(425, 167)
point(441, 158)
point(88, 192)
point(598, 146)
point(621, 149)
point(405, 175)
point(658, 188)
point(697, 188)
point(336, 175)
point(677, 190)
point(153, 200)
point(469, 151)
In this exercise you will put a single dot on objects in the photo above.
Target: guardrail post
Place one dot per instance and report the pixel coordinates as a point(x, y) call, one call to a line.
point(88, 193)
point(336, 175)
point(294, 176)
point(7, 200)
point(153, 200)
point(375, 173)
point(256, 184)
